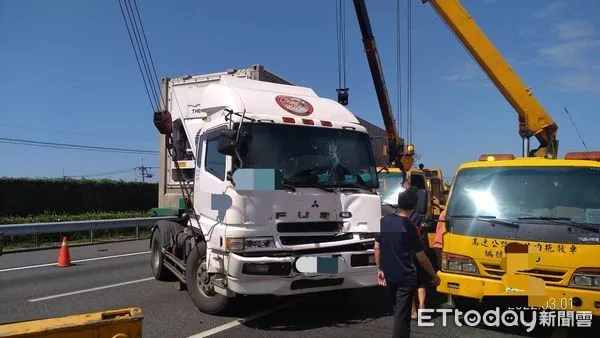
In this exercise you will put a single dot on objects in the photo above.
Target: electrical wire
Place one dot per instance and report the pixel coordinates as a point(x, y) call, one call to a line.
point(340, 19)
point(576, 129)
point(136, 57)
point(106, 173)
point(142, 50)
point(398, 68)
point(148, 49)
point(67, 132)
point(74, 146)
point(409, 93)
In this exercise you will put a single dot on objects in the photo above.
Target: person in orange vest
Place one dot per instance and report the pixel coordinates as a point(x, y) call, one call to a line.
point(438, 244)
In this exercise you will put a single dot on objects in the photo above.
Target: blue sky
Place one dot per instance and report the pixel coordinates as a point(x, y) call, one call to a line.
point(69, 74)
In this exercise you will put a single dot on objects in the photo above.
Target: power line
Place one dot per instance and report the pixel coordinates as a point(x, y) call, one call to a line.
point(399, 68)
point(146, 70)
point(65, 132)
point(107, 173)
point(74, 146)
point(152, 103)
point(577, 130)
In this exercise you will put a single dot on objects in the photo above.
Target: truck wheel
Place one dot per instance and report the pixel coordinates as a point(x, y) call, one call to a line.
point(199, 284)
point(160, 273)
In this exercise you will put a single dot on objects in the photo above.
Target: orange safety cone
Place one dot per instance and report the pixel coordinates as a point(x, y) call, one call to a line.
point(64, 258)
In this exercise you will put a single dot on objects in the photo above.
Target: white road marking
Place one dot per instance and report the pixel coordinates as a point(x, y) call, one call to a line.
point(92, 289)
point(76, 261)
point(240, 321)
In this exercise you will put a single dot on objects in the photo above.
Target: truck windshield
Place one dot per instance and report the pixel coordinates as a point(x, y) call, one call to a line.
point(309, 156)
point(390, 185)
point(527, 192)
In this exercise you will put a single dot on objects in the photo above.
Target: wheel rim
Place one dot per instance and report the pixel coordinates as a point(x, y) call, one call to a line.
point(156, 256)
point(204, 281)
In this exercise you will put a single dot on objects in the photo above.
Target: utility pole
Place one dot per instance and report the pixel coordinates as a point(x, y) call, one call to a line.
point(144, 172)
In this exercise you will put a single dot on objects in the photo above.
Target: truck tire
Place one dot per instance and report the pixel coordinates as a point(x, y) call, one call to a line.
point(160, 273)
point(199, 286)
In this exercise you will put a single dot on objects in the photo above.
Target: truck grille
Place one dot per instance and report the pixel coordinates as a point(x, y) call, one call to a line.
point(309, 227)
point(549, 276)
point(299, 240)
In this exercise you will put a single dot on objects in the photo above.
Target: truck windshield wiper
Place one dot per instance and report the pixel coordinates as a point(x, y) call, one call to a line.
point(562, 221)
point(357, 186)
point(289, 186)
point(489, 219)
point(323, 188)
point(294, 187)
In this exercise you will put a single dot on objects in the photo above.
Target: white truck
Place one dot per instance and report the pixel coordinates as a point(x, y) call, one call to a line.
point(278, 186)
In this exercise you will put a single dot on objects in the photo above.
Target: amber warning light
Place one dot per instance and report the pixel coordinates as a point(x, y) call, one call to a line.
point(583, 155)
point(496, 157)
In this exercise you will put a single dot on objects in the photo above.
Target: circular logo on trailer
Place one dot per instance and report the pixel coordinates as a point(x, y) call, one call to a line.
point(294, 105)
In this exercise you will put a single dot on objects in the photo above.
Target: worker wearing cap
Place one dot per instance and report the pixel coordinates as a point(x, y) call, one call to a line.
point(395, 248)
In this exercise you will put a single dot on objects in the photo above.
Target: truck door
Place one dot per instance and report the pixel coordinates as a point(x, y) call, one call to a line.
point(210, 183)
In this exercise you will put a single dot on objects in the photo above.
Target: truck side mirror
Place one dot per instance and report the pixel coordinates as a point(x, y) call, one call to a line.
point(227, 144)
point(422, 201)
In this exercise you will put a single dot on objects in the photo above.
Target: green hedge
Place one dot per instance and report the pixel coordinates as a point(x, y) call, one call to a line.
point(47, 217)
point(23, 197)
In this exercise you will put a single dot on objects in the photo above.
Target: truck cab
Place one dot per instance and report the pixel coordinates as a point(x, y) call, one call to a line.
point(283, 190)
point(435, 184)
point(546, 208)
point(390, 184)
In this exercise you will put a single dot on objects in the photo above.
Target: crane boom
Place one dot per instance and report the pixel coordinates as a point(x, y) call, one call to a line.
point(404, 160)
point(533, 119)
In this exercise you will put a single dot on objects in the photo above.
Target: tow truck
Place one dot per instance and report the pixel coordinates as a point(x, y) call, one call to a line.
point(546, 206)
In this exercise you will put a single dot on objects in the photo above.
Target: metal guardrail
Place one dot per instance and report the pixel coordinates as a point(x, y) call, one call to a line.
point(76, 226)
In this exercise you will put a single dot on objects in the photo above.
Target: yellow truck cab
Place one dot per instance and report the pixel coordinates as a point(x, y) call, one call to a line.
point(435, 184)
point(551, 206)
point(390, 185)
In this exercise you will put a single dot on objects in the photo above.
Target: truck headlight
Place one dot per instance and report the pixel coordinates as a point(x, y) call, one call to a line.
point(586, 278)
point(458, 263)
point(240, 244)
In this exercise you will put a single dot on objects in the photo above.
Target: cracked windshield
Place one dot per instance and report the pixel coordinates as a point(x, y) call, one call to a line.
point(309, 156)
point(525, 192)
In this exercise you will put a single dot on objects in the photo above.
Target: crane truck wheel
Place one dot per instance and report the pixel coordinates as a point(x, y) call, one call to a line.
point(199, 283)
point(160, 273)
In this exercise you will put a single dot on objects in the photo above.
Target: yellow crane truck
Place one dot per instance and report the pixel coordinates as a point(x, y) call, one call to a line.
point(550, 206)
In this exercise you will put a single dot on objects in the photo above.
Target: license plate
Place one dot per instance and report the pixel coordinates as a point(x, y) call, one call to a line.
point(319, 264)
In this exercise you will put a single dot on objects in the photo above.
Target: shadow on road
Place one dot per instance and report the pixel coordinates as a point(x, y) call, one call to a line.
point(332, 309)
point(355, 308)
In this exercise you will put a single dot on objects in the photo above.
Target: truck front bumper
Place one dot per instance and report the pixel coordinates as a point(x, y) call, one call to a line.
point(558, 298)
point(293, 275)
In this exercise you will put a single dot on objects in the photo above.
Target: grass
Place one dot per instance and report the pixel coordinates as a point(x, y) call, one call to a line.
point(44, 240)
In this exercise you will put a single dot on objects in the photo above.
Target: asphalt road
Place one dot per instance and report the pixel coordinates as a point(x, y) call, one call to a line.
point(118, 275)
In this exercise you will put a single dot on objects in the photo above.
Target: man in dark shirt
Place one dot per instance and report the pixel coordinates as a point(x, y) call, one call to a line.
point(395, 247)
